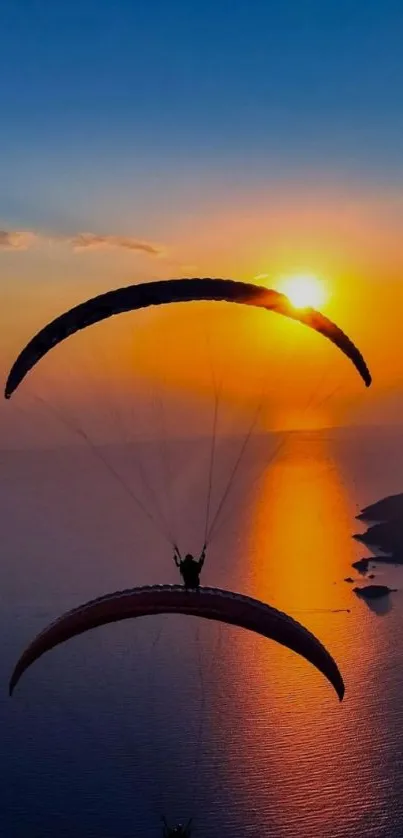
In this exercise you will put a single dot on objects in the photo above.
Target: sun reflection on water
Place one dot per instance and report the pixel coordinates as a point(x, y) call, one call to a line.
point(298, 749)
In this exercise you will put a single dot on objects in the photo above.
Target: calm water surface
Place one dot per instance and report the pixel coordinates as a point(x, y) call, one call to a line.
point(176, 716)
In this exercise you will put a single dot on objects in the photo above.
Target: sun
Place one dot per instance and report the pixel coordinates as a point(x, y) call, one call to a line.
point(304, 290)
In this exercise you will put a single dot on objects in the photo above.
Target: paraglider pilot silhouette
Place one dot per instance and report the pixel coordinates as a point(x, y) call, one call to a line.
point(179, 831)
point(190, 568)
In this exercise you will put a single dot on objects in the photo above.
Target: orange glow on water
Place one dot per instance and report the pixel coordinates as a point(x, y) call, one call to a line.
point(296, 740)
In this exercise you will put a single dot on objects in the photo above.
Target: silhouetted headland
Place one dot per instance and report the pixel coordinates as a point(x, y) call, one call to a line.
point(385, 535)
point(386, 509)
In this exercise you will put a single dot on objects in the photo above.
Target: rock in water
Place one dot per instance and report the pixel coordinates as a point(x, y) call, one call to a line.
point(362, 565)
point(373, 591)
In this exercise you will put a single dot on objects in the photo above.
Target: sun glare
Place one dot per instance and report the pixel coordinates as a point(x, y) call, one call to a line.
point(304, 290)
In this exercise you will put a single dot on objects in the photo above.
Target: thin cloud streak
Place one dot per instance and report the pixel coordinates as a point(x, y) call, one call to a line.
point(92, 241)
point(26, 239)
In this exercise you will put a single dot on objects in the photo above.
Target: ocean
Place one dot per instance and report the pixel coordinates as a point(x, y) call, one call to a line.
point(175, 716)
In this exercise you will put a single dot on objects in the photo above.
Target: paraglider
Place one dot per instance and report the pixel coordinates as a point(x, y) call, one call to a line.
point(208, 603)
point(190, 598)
point(163, 292)
point(179, 831)
point(190, 568)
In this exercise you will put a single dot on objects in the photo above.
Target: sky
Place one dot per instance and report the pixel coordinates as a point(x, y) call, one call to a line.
point(145, 140)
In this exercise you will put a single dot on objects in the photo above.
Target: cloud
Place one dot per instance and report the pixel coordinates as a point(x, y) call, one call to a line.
point(17, 239)
point(25, 239)
point(92, 241)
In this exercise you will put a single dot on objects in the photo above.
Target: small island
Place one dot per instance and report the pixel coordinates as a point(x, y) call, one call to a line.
point(362, 565)
point(373, 591)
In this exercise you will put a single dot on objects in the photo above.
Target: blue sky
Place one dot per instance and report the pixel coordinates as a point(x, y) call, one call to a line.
point(108, 97)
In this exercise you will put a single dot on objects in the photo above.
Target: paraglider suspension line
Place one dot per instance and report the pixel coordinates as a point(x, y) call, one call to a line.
point(163, 530)
point(233, 473)
point(211, 462)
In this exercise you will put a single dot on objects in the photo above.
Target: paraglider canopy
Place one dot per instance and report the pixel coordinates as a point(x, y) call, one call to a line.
point(169, 291)
point(208, 603)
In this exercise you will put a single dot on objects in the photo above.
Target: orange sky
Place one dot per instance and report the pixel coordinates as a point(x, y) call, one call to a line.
point(350, 238)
